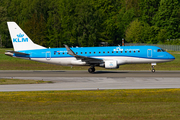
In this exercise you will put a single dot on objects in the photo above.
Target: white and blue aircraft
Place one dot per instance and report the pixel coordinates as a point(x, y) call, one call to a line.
point(107, 57)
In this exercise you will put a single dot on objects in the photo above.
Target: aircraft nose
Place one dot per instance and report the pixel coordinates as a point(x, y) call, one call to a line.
point(171, 57)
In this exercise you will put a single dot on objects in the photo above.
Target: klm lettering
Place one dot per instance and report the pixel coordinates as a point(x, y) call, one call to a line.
point(20, 39)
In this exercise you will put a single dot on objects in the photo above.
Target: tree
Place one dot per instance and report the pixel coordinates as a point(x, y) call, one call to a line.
point(124, 18)
point(162, 36)
point(134, 32)
point(148, 9)
point(54, 27)
point(154, 30)
point(4, 34)
point(35, 29)
point(86, 23)
point(168, 18)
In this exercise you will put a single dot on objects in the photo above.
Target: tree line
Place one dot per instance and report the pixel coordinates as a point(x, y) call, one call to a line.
point(52, 23)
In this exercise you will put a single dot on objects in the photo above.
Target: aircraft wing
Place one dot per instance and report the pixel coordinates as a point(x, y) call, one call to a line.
point(88, 60)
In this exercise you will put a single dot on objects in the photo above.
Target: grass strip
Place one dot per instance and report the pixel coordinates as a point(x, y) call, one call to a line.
point(4, 81)
point(100, 104)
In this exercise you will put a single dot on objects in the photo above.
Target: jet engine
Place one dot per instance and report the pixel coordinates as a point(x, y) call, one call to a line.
point(111, 64)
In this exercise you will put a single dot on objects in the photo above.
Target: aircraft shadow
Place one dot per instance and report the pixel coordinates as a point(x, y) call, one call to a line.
point(102, 72)
point(49, 71)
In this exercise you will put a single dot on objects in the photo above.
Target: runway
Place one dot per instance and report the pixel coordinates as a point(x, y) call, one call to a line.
point(45, 73)
point(82, 80)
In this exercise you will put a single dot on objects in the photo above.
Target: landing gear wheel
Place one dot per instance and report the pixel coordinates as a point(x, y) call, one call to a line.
point(91, 70)
point(153, 70)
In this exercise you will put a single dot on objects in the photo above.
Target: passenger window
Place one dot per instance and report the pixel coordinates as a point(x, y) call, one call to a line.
point(129, 51)
point(112, 51)
point(103, 52)
point(99, 52)
point(76, 53)
point(134, 51)
point(108, 51)
point(116, 51)
point(125, 51)
point(59, 53)
point(89, 52)
point(81, 52)
point(94, 52)
point(138, 51)
point(85, 52)
point(121, 51)
point(63, 53)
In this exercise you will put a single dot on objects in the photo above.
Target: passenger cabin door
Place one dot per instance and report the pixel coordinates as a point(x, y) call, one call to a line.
point(149, 53)
point(48, 55)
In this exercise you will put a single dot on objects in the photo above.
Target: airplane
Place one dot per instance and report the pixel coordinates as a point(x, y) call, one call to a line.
point(108, 57)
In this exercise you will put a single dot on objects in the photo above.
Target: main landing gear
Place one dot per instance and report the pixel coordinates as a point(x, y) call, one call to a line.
point(91, 69)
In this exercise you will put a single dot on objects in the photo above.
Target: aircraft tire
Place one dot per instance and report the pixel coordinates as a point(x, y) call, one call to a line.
point(91, 70)
point(153, 70)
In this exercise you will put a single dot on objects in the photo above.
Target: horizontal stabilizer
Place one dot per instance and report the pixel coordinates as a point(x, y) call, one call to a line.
point(20, 53)
point(17, 54)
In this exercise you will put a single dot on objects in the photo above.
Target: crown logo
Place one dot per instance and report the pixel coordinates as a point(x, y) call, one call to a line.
point(20, 35)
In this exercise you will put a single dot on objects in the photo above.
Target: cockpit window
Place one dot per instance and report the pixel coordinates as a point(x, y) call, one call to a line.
point(163, 50)
point(160, 50)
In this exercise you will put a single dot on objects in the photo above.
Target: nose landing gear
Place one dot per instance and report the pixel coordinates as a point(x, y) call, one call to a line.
point(152, 66)
point(152, 70)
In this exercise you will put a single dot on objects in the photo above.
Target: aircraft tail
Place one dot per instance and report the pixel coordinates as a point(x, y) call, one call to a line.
point(20, 40)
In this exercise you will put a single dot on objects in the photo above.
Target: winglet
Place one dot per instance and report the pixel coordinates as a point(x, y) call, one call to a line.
point(70, 52)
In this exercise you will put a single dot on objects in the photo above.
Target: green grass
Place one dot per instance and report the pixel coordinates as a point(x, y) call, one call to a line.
point(4, 81)
point(146, 104)
point(10, 63)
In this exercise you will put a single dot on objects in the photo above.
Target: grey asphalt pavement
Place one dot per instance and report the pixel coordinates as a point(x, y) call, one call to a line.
point(82, 80)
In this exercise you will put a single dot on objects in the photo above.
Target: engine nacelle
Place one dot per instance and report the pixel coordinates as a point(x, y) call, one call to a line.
point(111, 64)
